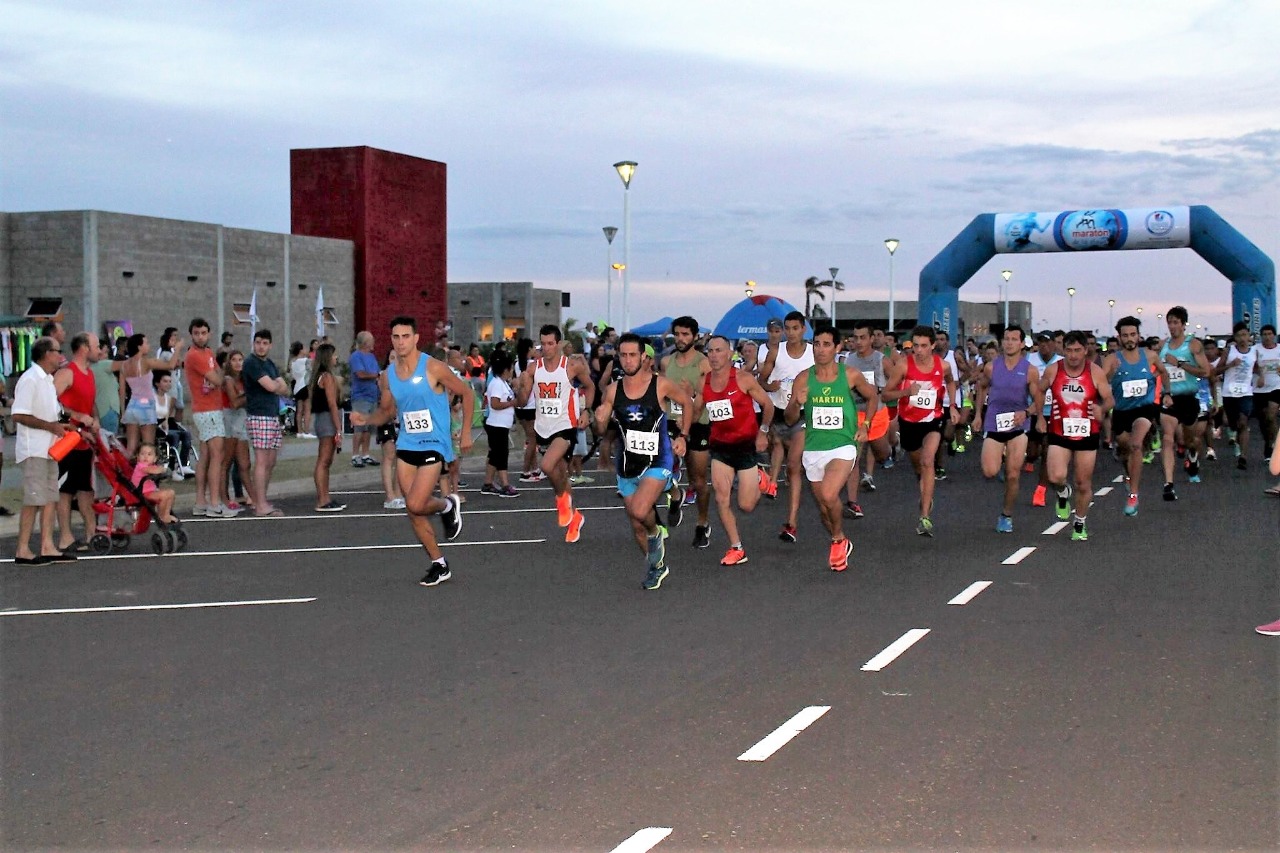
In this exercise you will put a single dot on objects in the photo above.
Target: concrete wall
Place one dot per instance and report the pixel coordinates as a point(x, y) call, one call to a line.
point(524, 308)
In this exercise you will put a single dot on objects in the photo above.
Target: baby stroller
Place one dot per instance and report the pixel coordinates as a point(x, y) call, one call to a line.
point(125, 513)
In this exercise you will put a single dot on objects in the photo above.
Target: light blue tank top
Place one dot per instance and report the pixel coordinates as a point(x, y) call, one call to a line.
point(423, 413)
point(1124, 384)
point(1188, 384)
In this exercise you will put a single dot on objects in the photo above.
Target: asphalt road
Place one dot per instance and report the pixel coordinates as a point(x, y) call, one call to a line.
point(1108, 695)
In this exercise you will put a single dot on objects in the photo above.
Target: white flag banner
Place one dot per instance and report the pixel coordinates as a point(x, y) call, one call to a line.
point(320, 312)
point(253, 314)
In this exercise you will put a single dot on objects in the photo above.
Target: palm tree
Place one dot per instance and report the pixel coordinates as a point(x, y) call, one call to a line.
point(814, 288)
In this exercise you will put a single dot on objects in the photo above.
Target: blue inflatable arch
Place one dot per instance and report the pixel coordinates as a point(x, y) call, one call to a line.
point(1251, 272)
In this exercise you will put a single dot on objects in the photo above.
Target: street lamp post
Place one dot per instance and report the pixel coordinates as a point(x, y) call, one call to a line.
point(609, 233)
point(1006, 275)
point(1071, 308)
point(1111, 313)
point(1139, 313)
point(892, 245)
point(834, 288)
point(626, 169)
point(621, 270)
point(750, 289)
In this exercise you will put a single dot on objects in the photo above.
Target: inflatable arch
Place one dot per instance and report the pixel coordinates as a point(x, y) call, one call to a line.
point(1252, 273)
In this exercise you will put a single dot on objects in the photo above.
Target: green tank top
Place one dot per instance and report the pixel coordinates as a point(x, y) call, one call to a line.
point(691, 374)
point(830, 412)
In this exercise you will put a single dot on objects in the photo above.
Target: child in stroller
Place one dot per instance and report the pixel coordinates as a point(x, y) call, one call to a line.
point(127, 512)
point(146, 474)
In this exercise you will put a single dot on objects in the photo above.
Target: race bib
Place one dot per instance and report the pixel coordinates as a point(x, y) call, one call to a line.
point(1077, 427)
point(641, 443)
point(719, 410)
point(1177, 374)
point(1005, 422)
point(417, 422)
point(551, 408)
point(1133, 388)
point(925, 398)
point(677, 410)
point(1239, 389)
point(828, 417)
point(785, 391)
point(870, 376)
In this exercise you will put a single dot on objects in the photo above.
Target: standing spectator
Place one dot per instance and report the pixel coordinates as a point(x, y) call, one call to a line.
point(53, 329)
point(497, 426)
point(226, 345)
point(364, 396)
point(107, 389)
point(204, 382)
point(137, 381)
point(263, 389)
point(476, 370)
point(300, 372)
point(170, 341)
point(324, 391)
point(77, 391)
point(35, 411)
point(237, 440)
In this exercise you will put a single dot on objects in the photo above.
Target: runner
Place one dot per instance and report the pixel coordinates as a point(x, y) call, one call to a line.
point(952, 401)
point(1132, 372)
point(1041, 357)
point(1266, 394)
point(870, 363)
point(784, 363)
point(1185, 362)
point(918, 380)
point(730, 396)
point(646, 453)
point(1078, 398)
point(687, 368)
point(1006, 387)
point(423, 443)
point(1238, 367)
point(832, 433)
point(551, 382)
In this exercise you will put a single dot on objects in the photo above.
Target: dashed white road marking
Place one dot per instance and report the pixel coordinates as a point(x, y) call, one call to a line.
point(784, 733)
point(894, 649)
point(1018, 556)
point(970, 593)
point(645, 839)
point(193, 606)
point(1056, 527)
point(1119, 479)
point(1105, 490)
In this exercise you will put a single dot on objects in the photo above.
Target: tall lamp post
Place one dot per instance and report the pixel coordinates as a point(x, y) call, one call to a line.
point(1111, 315)
point(1139, 310)
point(892, 245)
point(626, 169)
point(834, 287)
point(1006, 275)
point(621, 270)
point(609, 233)
point(1071, 308)
point(750, 289)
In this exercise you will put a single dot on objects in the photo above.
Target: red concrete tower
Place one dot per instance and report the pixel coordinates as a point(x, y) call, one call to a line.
point(392, 206)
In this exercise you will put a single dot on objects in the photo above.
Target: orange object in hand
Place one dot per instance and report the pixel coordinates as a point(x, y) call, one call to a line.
point(68, 442)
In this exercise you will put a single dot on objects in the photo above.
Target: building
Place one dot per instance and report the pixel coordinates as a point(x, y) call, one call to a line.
point(976, 318)
point(523, 308)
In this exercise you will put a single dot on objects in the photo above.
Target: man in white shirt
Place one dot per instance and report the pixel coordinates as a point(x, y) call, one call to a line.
point(35, 411)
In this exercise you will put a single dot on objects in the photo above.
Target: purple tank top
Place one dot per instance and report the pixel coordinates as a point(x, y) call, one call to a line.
point(1006, 396)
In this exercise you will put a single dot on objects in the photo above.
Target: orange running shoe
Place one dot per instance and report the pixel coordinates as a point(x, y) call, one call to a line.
point(1038, 498)
point(1029, 468)
point(840, 552)
point(734, 557)
point(564, 509)
point(575, 527)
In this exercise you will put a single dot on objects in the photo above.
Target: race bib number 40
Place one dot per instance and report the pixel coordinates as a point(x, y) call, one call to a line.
point(828, 417)
point(1077, 427)
point(1133, 388)
point(417, 422)
point(719, 410)
point(641, 443)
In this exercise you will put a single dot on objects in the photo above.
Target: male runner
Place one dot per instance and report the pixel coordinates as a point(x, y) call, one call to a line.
point(1238, 367)
point(953, 400)
point(1132, 372)
point(555, 423)
point(1079, 396)
point(646, 453)
point(918, 381)
point(826, 393)
point(1266, 396)
point(687, 367)
point(870, 363)
point(1041, 357)
point(1006, 387)
point(781, 367)
point(1185, 362)
point(417, 392)
point(729, 397)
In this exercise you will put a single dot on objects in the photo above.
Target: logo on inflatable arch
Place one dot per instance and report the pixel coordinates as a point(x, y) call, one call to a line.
point(1082, 230)
point(1099, 229)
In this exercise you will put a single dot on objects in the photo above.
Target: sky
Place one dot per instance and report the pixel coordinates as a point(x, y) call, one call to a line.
point(774, 140)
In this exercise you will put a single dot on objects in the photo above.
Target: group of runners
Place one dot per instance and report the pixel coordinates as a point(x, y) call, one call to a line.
point(830, 409)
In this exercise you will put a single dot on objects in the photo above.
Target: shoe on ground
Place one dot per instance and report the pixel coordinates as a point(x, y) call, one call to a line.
point(187, 471)
point(357, 461)
point(1131, 505)
point(1211, 455)
point(574, 531)
point(177, 475)
point(733, 557)
point(690, 497)
point(1169, 493)
point(488, 489)
point(924, 527)
point(507, 491)
point(788, 533)
point(1004, 524)
point(1242, 464)
point(939, 473)
point(656, 576)
point(702, 536)
point(675, 512)
point(867, 482)
point(1029, 468)
point(220, 511)
point(528, 477)
point(852, 510)
point(1271, 629)
point(451, 518)
point(437, 574)
point(1079, 532)
point(199, 510)
point(1063, 508)
point(1038, 498)
point(369, 460)
point(564, 509)
point(1193, 466)
point(331, 506)
point(394, 503)
point(234, 507)
point(839, 557)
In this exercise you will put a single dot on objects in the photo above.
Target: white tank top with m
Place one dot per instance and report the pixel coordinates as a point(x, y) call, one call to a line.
point(785, 371)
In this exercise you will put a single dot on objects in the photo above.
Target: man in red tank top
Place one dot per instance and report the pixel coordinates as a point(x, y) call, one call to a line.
point(736, 438)
point(918, 381)
point(77, 392)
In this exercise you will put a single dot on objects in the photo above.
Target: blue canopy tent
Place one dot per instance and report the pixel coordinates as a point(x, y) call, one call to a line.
point(749, 318)
point(656, 329)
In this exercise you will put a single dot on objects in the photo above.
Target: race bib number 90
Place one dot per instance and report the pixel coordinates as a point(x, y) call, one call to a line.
point(1133, 388)
point(1077, 427)
point(719, 410)
point(925, 398)
point(641, 443)
point(828, 417)
point(417, 422)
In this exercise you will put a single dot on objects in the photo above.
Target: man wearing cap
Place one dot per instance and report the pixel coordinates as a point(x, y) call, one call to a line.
point(1041, 357)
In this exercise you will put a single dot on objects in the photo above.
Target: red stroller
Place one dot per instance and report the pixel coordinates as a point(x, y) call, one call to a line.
point(125, 513)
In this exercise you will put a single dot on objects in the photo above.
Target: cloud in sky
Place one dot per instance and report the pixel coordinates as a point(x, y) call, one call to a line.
point(774, 140)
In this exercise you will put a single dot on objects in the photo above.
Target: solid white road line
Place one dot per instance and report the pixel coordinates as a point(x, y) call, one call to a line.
point(894, 649)
point(784, 733)
point(392, 513)
point(1056, 527)
point(155, 607)
point(970, 593)
point(645, 839)
point(1018, 556)
point(1105, 490)
point(315, 550)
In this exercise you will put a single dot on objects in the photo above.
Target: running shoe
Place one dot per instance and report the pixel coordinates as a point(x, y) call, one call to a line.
point(1211, 455)
point(451, 518)
point(868, 482)
point(234, 507)
point(1242, 464)
point(394, 503)
point(788, 533)
point(369, 460)
point(690, 497)
point(1169, 493)
point(529, 477)
point(1131, 505)
point(1030, 468)
point(1064, 505)
point(1004, 524)
point(657, 553)
point(852, 510)
point(178, 476)
point(1180, 449)
point(1271, 629)
point(1148, 457)
point(331, 506)
point(581, 480)
point(564, 509)
point(437, 574)
point(839, 558)
point(1038, 498)
point(656, 576)
point(939, 473)
point(1193, 465)
point(733, 557)
point(702, 536)
point(507, 491)
point(357, 461)
point(1157, 444)
point(488, 489)
point(1079, 533)
point(924, 528)
point(765, 482)
point(199, 510)
point(572, 534)
point(891, 460)
point(675, 512)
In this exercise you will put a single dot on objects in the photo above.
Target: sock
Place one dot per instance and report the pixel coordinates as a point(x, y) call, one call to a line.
point(1064, 491)
point(1193, 455)
point(1079, 521)
point(442, 563)
point(737, 546)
